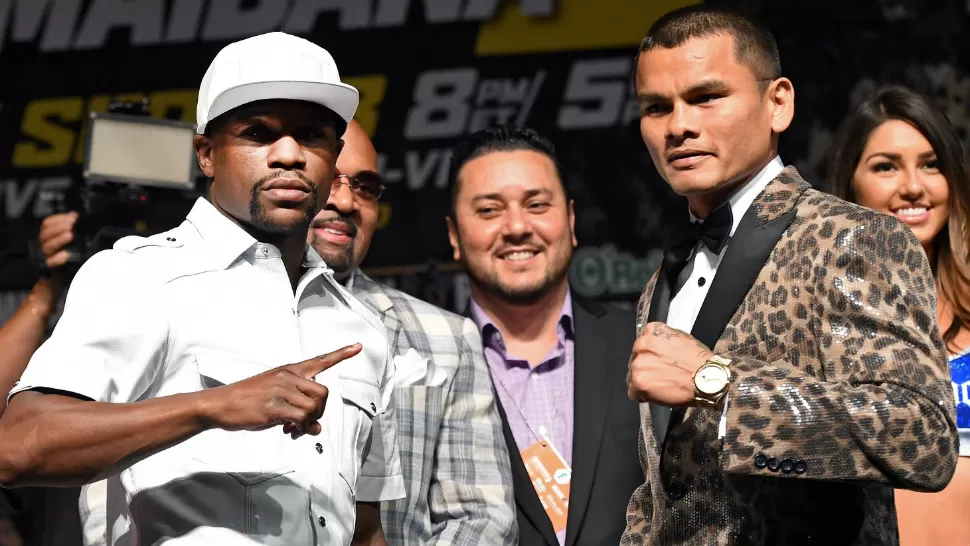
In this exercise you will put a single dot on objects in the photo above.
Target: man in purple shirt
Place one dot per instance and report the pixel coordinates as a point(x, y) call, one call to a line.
point(558, 362)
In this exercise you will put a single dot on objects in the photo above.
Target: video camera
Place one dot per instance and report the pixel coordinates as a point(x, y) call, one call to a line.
point(141, 177)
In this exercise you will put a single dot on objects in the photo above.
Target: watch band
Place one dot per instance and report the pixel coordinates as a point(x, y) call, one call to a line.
point(712, 400)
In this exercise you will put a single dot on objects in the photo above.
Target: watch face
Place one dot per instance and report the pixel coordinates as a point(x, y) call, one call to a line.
point(711, 379)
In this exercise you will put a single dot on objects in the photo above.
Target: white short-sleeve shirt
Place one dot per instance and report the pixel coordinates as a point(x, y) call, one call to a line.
point(205, 305)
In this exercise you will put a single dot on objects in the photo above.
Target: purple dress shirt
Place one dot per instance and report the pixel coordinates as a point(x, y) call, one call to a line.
point(534, 393)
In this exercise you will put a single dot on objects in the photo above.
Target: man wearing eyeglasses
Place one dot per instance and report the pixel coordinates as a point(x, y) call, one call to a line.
point(453, 454)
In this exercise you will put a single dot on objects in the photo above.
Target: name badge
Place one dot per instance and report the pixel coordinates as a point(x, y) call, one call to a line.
point(550, 477)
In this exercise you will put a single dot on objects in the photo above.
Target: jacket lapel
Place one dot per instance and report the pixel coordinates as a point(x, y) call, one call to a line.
point(525, 495)
point(759, 231)
point(590, 406)
point(374, 298)
point(370, 293)
point(526, 500)
point(659, 307)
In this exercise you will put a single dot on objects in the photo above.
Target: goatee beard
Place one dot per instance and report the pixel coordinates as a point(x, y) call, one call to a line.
point(263, 223)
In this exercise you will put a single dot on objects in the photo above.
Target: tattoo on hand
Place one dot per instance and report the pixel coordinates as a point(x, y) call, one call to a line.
point(662, 330)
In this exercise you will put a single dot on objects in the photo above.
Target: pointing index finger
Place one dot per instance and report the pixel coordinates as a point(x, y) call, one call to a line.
point(310, 368)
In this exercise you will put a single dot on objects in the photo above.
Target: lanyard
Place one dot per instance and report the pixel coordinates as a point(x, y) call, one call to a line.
point(542, 438)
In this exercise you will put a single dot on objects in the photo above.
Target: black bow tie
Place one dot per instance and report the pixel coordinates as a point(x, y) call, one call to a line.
point(682, 238)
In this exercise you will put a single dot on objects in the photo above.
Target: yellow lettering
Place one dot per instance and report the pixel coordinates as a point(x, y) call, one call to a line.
point(371, 96)
point(175, 104)
point(383, 215)
point(98, 103)
point(52, 142)
point(577, 24)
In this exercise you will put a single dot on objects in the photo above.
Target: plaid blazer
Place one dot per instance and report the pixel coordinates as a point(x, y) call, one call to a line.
point(453, 454)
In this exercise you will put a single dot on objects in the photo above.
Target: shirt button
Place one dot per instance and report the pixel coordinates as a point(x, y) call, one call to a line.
point(319, 448)
point(701, 281)
point(760, 460)
point(373, 406)
point(322, 521)
point(787, 465)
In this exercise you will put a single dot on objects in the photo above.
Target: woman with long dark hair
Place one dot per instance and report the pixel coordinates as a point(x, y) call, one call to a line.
point(897, 153)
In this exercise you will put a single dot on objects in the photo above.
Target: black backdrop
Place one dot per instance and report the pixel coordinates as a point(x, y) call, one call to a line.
point(432, 70)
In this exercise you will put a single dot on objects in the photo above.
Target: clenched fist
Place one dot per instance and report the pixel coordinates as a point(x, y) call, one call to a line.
point(662, 366)
point(56, 232)
point(286, 396)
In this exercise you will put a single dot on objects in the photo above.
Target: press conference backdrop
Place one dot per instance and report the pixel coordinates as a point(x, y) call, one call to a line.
point(430, 71)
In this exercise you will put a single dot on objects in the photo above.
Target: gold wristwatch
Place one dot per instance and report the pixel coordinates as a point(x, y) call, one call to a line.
point(711, 381)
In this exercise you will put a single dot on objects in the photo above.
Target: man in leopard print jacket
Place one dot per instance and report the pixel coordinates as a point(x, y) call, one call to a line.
point(813, 380)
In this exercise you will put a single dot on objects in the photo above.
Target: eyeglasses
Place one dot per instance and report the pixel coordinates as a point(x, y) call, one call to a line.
point(367, 186)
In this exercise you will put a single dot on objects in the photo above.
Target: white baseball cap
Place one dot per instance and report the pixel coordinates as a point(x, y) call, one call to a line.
point(275, 65)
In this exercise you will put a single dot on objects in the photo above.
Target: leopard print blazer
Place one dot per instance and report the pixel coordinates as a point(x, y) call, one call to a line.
point(840, 390)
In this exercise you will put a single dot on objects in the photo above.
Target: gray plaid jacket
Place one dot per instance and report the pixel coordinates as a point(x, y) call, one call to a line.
point(453, 454)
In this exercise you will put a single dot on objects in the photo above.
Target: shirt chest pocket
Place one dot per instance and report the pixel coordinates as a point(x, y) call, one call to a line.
point(360, 406)
point(243, 481)
point(260, 453)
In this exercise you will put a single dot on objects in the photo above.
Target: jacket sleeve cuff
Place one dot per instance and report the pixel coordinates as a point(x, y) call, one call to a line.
point(380, 489)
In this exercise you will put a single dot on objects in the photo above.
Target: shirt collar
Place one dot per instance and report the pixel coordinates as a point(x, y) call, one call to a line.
point(225, 241)
point(490, 332)
point(349, 283)
point(742, 199)
point(566, 314)
point(312, 260)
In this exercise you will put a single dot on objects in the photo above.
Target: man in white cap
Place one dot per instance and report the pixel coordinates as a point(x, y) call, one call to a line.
point(185, 367)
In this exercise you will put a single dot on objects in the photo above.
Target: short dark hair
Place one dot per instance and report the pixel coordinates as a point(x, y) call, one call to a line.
point(894, 102)
point(754, 45)
point(500, 138)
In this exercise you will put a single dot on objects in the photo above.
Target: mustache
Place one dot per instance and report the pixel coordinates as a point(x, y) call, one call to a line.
point(283, 174)
point(346, 219)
